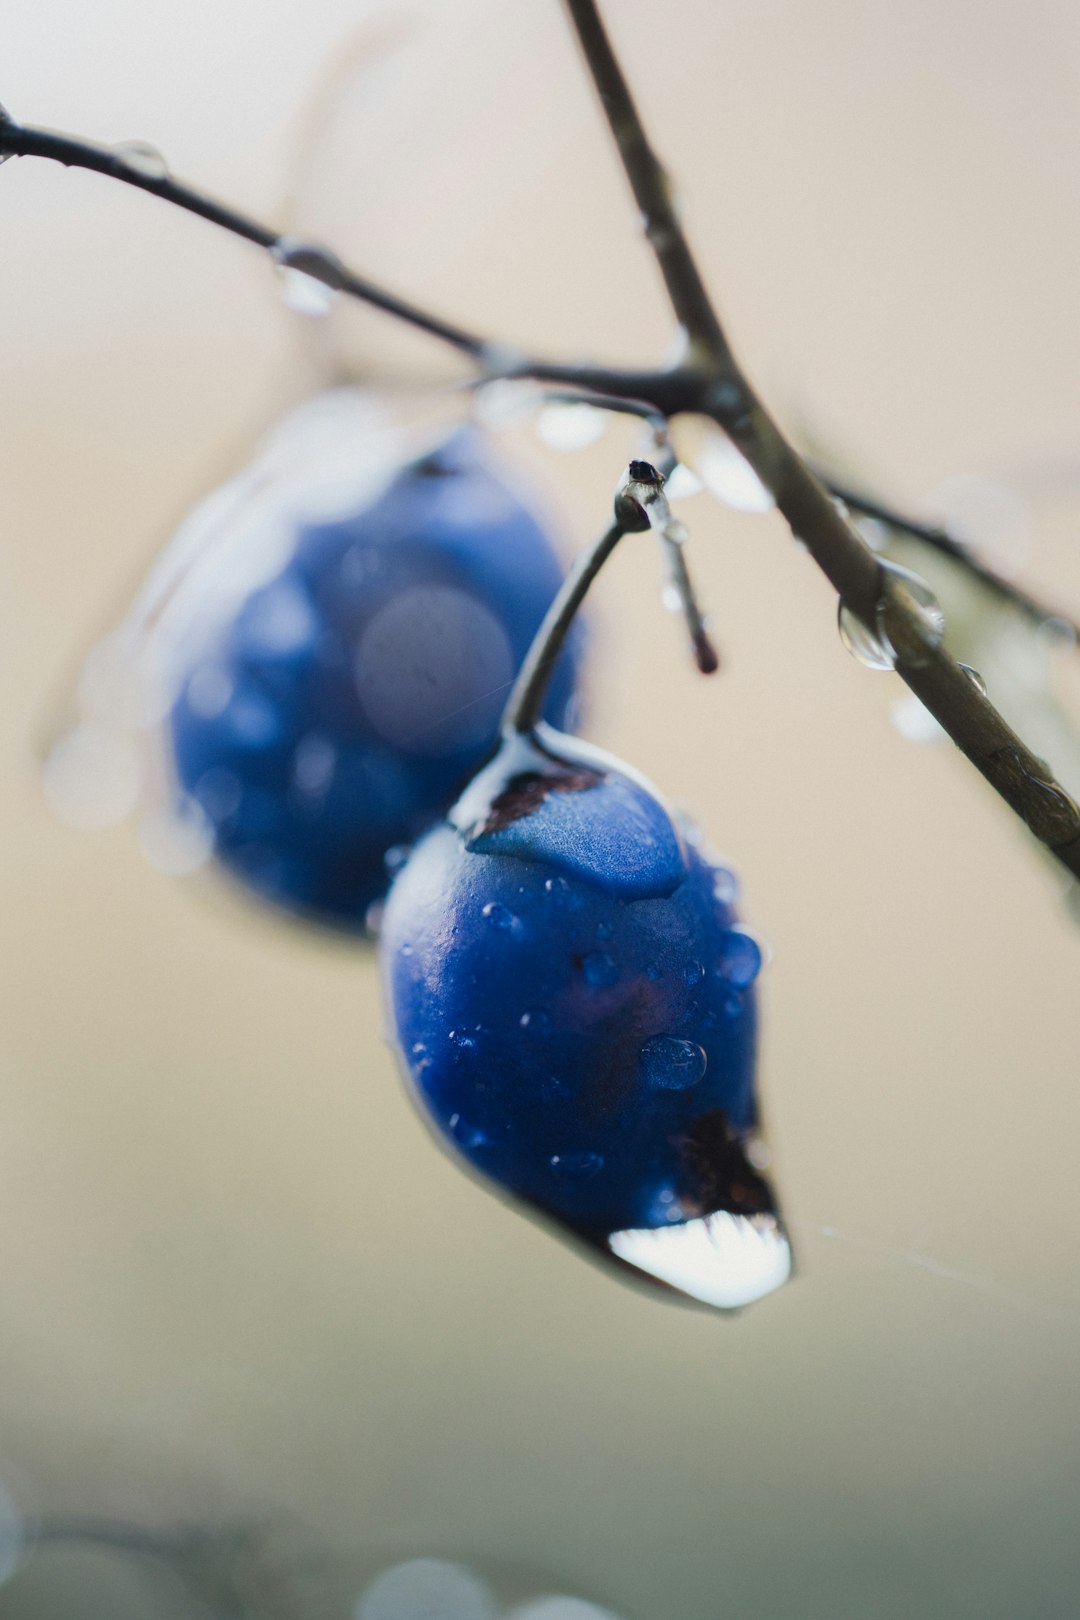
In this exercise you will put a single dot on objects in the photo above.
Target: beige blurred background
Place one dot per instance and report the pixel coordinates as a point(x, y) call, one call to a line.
point(236, 1278)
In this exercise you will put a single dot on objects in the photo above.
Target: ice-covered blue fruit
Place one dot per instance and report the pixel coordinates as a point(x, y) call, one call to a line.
point(344, 699)
point(573, 1003)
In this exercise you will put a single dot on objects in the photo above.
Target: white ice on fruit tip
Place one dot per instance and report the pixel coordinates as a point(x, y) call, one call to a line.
point(721, 1259)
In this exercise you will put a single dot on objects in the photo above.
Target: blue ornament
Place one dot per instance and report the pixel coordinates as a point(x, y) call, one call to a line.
point(573, 1003)
point(339, 704)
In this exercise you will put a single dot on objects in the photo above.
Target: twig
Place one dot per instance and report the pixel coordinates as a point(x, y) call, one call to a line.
point(958, 551)
point(1023, 780)
point(711, 383)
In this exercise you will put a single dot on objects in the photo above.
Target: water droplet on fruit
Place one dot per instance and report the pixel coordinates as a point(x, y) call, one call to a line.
point(671, 1064)
point(975, 678)
point(579, 1166)
point(425, 1589)
point(466, 1135)
point(92, 776)
point(600, 969)
point(500, 916)
point(142, 158)
point(693, 972)
point(565, 426)
point(725, 886)
point(733, 1003)
point(556, 886)
point(537, 1022)
point(462, 1040)
point(311, 276)
point(739, 961)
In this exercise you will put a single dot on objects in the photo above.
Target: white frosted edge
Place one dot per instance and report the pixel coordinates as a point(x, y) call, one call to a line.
point(721, 1259)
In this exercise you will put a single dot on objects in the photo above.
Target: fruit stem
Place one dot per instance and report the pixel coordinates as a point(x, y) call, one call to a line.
point(524, 706)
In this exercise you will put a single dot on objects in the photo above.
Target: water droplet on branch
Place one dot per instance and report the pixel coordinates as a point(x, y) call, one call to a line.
point(311, 276)
point(143, 159)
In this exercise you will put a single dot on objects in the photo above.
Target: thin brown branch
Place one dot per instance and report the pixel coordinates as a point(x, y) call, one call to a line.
point(1023, 781)
point(958, 551)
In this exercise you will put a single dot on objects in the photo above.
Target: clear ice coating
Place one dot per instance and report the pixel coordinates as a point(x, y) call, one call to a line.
point(142, 158)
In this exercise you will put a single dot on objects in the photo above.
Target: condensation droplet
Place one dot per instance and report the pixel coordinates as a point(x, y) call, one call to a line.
point(693, 972)
point(500, 916)
point(311, 277)
point(975, 678)
point(565, 426)
point(579, 1166)
point(466, 1135)
point(739, 962)
point(600, 969)
point(537, 1021)
point(142, 158)
point(671, 1064)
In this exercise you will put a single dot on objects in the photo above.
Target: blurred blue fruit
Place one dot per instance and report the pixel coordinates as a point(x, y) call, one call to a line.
point(343, 700)
point(573, 1002)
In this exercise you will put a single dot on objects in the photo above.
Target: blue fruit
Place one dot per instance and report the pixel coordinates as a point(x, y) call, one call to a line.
point(574, 1007)
point(343, 701)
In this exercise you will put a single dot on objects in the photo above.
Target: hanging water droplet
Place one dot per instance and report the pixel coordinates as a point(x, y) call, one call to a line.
point(863, 644)
point(600, 969)
point(671, 1064)
point(143, 159)
point(726, 471)
point(505, 403)
point(566, 426)
point(913, 720)
point(739, 961)
point(975, 678)
point(579, 1166)
point(682, 482)
point(909, 616)
point(311, 276)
